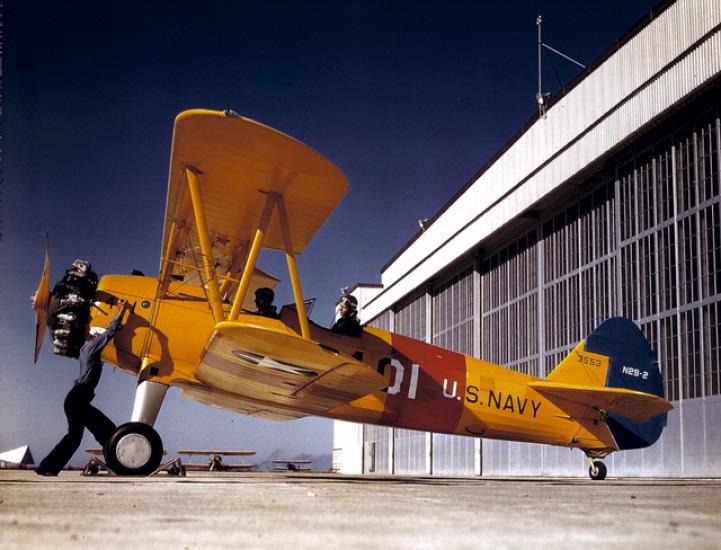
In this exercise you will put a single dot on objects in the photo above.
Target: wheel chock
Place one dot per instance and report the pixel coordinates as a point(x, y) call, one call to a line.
point(172, 467)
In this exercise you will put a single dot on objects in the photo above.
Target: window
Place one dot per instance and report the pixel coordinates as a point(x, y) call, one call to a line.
point(668, 356)
point(628, 206)
point(646, 197)
point(586, 229)
point(647, 268)
point(712, 347)
point(708, 150)
point(411, 319)
point(685, 177)
point(691, 354)
point(710, 237)
point(629, 291)
point(452, 304)
point(383, 321)
point(667, 267)
point(688, 260)
point(664, 187)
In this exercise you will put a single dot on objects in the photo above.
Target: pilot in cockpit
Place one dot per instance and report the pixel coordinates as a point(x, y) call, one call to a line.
point(348, 322)
point(264, 302)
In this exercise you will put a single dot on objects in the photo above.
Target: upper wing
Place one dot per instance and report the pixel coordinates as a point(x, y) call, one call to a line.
point(635, 405)
point(271, 364)
point(238, 162)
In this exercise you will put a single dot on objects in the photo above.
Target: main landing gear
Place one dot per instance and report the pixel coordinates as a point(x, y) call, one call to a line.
point(596, 469)
point(135, 448)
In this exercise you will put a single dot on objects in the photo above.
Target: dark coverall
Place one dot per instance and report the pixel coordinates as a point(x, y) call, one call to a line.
point(80, 413)
point(349, 326)
point(268, 310)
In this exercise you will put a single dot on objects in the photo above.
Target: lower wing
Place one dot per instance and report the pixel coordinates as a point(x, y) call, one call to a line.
point(262, 360)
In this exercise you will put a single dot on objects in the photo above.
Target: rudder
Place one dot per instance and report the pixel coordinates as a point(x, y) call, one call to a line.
point(632, 365)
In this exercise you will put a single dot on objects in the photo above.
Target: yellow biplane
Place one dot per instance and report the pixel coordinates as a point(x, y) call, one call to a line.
point(237, 186)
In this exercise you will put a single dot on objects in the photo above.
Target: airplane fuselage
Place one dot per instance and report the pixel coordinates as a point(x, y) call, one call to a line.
point(428, 387)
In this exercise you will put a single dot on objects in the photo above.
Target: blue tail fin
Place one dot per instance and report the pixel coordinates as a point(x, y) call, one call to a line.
point(634, 366)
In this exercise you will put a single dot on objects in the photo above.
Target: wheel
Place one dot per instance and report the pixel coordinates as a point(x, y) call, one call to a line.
point(134, 449)
point(597, 470)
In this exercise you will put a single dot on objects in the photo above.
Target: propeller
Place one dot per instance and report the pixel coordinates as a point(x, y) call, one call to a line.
point(41, 301)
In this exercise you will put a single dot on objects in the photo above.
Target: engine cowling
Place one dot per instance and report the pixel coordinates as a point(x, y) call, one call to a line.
point(69, 308)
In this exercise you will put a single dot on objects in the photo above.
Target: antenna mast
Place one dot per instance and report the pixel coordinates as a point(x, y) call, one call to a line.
point(540, 96)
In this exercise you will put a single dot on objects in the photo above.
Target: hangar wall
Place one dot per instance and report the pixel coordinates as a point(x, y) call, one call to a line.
point(608, 206)
point(646, 244)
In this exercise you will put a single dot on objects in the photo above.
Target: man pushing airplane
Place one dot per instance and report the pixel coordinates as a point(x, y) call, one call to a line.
point(80, 413)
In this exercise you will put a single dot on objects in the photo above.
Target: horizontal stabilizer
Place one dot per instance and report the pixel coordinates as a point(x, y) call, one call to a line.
point(634, 405)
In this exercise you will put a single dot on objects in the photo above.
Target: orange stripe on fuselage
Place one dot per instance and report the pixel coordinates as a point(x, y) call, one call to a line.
point(431, 391)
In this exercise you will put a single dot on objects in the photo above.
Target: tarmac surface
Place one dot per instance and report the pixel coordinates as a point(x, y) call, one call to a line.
point(301, 510)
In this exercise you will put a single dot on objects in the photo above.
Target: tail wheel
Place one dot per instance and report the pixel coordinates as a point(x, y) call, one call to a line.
point(134, 449)
point(597, 470)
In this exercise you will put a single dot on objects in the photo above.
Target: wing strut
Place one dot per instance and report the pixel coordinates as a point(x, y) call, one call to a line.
point(293, 269)
point(252, 257)
point(234, 268)
point(214, 295)
point(272, 200)
point(165, 270)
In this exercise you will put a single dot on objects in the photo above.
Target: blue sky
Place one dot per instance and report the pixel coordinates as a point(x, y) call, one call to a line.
point(409, 99)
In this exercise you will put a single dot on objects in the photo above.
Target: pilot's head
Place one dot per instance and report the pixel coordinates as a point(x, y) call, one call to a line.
point(264, 297)
point(348, 306)
point(96, 332)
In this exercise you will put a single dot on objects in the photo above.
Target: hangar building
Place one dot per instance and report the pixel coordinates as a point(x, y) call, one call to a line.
point(609, 205)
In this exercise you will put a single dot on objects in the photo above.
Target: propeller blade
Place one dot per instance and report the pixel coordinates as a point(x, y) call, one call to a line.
point(41, 300)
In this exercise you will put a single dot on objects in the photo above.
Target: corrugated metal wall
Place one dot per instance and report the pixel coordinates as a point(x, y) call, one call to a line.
point(377, 450)
point(410, 453)
point(655, 234)
point(455, 455)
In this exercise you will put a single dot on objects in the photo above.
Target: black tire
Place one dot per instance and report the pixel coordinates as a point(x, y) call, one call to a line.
point(597, 470)
point(134, 449)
